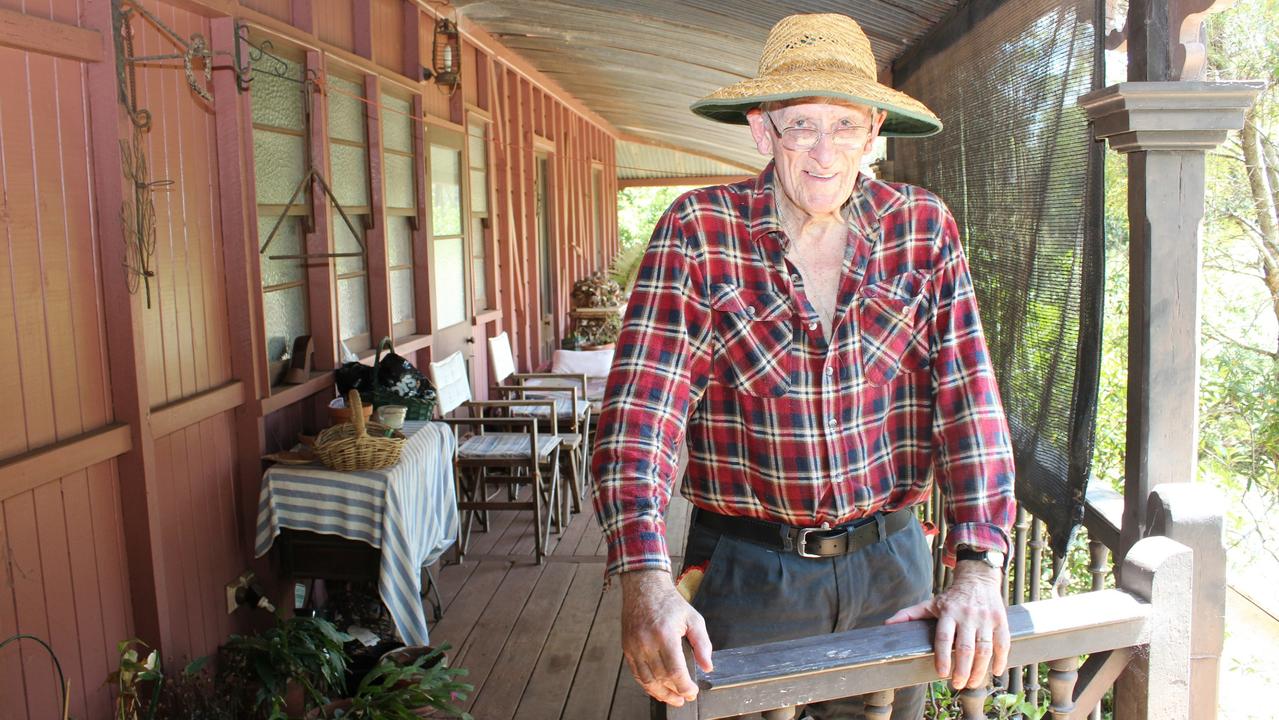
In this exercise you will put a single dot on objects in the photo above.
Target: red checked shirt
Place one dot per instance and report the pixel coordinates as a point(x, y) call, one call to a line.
point(722, 349)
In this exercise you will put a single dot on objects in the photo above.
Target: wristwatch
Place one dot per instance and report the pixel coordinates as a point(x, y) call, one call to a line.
point(993, 558)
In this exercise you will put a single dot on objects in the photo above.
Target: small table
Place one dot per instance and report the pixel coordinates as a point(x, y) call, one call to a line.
point(408, 511)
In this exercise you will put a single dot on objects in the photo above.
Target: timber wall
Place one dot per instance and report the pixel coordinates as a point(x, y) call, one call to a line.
point(130, 435)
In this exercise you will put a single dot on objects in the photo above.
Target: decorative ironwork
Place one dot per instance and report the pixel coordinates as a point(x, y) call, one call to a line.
point(137, 215)
point(126, 62)
point(251, 57)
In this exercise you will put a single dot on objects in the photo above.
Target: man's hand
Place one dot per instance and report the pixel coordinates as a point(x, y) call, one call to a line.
point(972, 625)
point(654, 618)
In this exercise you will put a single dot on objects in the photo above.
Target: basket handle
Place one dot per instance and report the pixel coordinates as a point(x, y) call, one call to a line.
point(357, 413)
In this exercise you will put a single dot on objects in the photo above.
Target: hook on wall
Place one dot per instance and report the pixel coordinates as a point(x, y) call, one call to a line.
point(126, 62)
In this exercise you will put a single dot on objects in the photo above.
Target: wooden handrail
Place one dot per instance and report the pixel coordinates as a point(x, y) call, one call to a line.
point(1151, 611)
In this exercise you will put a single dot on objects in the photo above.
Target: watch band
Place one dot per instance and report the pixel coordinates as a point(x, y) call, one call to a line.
point(993, 558)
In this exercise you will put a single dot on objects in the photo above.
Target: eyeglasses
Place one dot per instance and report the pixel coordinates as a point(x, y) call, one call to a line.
point(806, 138)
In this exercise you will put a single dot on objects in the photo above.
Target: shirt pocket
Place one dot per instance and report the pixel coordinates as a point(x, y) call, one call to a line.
point(892, 317)
point(757, 336)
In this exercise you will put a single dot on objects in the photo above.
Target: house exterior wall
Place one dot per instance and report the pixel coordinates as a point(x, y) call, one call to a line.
point(131, 437)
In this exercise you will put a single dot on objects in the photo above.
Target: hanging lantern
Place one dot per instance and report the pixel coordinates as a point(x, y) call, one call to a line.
point(446, 57)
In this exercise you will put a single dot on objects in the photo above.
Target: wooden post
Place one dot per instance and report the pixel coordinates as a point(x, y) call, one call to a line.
point(1165, 128)
point(1193, 515)
point(126, 350)
point(376, 263)
point(1156, 684)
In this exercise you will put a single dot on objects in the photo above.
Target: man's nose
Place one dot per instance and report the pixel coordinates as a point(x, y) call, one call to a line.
point(824, 151)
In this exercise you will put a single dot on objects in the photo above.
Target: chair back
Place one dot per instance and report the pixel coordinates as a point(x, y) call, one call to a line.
point(452, 388)
point(592, 363)
point(500, 357)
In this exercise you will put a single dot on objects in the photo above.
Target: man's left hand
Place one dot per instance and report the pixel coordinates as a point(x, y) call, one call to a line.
point(972, 625)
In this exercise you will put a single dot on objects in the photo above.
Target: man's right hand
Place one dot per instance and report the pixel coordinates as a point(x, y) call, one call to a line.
point(654, 619)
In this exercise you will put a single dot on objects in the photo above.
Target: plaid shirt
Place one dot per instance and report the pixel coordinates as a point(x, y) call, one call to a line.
point(721, 349)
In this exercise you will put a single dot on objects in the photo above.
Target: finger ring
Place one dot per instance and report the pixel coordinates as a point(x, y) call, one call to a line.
point(987, 641)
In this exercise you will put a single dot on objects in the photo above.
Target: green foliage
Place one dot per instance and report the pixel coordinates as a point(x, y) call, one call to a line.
point(638, 209)
point(395, 692)
point(943, 704)
point(133, 679)
point(305, 650)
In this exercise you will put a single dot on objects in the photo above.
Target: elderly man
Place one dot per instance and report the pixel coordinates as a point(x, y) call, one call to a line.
point(812, 337)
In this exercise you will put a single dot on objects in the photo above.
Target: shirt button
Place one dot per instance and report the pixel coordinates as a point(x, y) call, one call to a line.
point(812, 326)
point(830, 371)
point(832, 422)
point(795, 278)
point(750, 310)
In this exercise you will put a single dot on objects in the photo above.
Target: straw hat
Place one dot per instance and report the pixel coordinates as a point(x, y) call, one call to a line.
point(824, 55)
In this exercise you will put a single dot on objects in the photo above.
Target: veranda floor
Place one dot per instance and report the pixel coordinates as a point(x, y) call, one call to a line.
point(541, 641)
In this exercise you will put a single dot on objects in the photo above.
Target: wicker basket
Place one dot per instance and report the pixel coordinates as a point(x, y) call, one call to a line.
point(349, 446)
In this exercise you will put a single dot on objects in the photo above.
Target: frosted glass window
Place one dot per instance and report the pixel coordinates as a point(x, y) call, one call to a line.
point(397, 124)
point(479, 191)
point(344, 241)
point(479, 264)
point(449, 281)
point(287, 241)
point(353, 307)
point(475, 140)
point(350, 174)
point(401, 295)
point(399, 241)
point(278, 101)
point(398, 171)
point(446, 191)
point(285, 313)
point(279, 161)
point(346, 110)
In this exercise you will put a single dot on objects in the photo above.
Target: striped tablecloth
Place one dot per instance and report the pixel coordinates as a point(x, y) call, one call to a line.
point(408, 511)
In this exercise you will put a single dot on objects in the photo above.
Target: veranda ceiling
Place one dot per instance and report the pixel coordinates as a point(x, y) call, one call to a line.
point(641, 63)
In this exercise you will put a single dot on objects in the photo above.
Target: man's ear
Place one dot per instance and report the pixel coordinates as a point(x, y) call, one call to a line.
point(760, 131)
point(877, 121)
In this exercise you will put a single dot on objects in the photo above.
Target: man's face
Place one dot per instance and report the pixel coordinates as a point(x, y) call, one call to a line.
point(820, 179)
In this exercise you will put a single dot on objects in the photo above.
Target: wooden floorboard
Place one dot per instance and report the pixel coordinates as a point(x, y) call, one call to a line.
point(541, 642)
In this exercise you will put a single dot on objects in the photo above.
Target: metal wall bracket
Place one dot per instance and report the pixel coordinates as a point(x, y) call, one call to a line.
point(197, 46)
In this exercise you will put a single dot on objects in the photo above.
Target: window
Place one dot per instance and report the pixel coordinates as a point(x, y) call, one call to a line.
point(397, 175)
point(279, 161)
point(597, 219)
point(349, 178)
point(448, 277)
point(477, 158)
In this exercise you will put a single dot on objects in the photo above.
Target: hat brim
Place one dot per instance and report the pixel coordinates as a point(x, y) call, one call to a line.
point(907, 117)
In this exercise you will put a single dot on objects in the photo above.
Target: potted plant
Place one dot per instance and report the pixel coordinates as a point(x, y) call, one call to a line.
point(597, 303)
point(398, 690)
point(298, 663)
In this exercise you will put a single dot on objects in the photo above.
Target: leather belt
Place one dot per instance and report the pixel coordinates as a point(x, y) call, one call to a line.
point(814, 542)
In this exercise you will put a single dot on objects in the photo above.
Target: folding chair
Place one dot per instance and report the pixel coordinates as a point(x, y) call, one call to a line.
point(488, 460)
point(571, 409)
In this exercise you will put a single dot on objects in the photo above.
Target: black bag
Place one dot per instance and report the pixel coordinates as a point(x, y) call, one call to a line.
point(399, 383)
point(355, 376)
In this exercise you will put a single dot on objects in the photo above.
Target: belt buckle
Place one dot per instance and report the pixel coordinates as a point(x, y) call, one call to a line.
point(801, 541)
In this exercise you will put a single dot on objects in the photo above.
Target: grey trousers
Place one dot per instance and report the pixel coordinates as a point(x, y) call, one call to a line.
point(753, 594)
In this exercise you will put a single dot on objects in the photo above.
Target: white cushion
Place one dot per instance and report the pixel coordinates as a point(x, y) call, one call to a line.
point(594, 363)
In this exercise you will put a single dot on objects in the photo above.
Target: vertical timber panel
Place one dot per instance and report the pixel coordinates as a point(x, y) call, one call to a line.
point(375, 237)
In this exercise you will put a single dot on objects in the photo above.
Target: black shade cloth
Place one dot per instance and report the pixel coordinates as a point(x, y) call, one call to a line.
point(1017, 166)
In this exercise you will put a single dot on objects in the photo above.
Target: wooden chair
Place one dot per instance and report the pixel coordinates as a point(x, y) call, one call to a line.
point(499, 452)
point(571, 410)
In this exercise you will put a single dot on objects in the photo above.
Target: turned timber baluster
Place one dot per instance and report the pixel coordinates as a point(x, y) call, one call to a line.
point(972, 701)
point(1098, 555)
point(879, 705)
point(1033, 582)
point(1020, 531)
point(1062, 675)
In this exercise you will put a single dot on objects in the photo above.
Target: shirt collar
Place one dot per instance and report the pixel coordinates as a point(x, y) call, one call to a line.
point(871, 200)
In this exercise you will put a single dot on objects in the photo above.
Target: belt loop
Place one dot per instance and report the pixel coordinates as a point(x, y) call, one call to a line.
point(881, 525)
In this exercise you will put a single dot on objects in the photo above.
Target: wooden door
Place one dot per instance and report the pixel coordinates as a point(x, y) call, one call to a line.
point(545, 264)
point(451, 245)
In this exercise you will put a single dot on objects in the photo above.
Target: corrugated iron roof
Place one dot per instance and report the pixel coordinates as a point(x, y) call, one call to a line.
point(641, 63)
